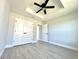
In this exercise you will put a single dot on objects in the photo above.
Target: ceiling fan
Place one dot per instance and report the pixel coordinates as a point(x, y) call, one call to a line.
point(43, 6)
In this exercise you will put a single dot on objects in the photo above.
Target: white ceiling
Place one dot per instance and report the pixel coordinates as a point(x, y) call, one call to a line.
point(27, 8)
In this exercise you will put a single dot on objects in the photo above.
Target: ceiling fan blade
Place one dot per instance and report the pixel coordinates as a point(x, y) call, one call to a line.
point(45, 11)
point(46, 2)
point(50, 7)
point(37, 4)
point(39, 10)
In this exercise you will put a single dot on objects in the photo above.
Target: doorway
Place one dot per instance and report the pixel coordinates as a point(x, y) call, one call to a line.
point(45, 32)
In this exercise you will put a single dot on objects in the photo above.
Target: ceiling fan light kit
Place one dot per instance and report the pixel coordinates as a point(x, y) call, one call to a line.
point(43, 6)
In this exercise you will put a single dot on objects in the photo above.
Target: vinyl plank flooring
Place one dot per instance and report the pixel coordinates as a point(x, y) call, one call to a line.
point(40, 50)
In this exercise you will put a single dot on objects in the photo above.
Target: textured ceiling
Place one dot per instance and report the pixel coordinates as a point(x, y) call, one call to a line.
point(27, 8)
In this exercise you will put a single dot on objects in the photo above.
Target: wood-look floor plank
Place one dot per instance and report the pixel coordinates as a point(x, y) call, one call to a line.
point(40, 50)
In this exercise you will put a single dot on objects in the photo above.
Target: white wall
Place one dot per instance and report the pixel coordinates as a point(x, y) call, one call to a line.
point(12, 21)
point(63, 30)
point(10, 29)
point(4, 14)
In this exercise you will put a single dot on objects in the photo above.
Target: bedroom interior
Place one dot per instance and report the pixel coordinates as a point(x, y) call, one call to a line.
point(38, 29)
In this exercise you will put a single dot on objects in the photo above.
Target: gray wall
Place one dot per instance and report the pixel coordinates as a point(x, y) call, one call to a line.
point(63, 30)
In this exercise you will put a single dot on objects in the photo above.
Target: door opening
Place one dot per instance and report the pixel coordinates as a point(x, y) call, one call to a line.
point(45, 32)
point(37, 33)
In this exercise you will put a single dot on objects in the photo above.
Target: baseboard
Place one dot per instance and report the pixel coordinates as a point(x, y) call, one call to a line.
point(65, 46)
point(43, 40)
point(2, 52)
point(9, 46)
point(61, 45)
point(35, 41)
